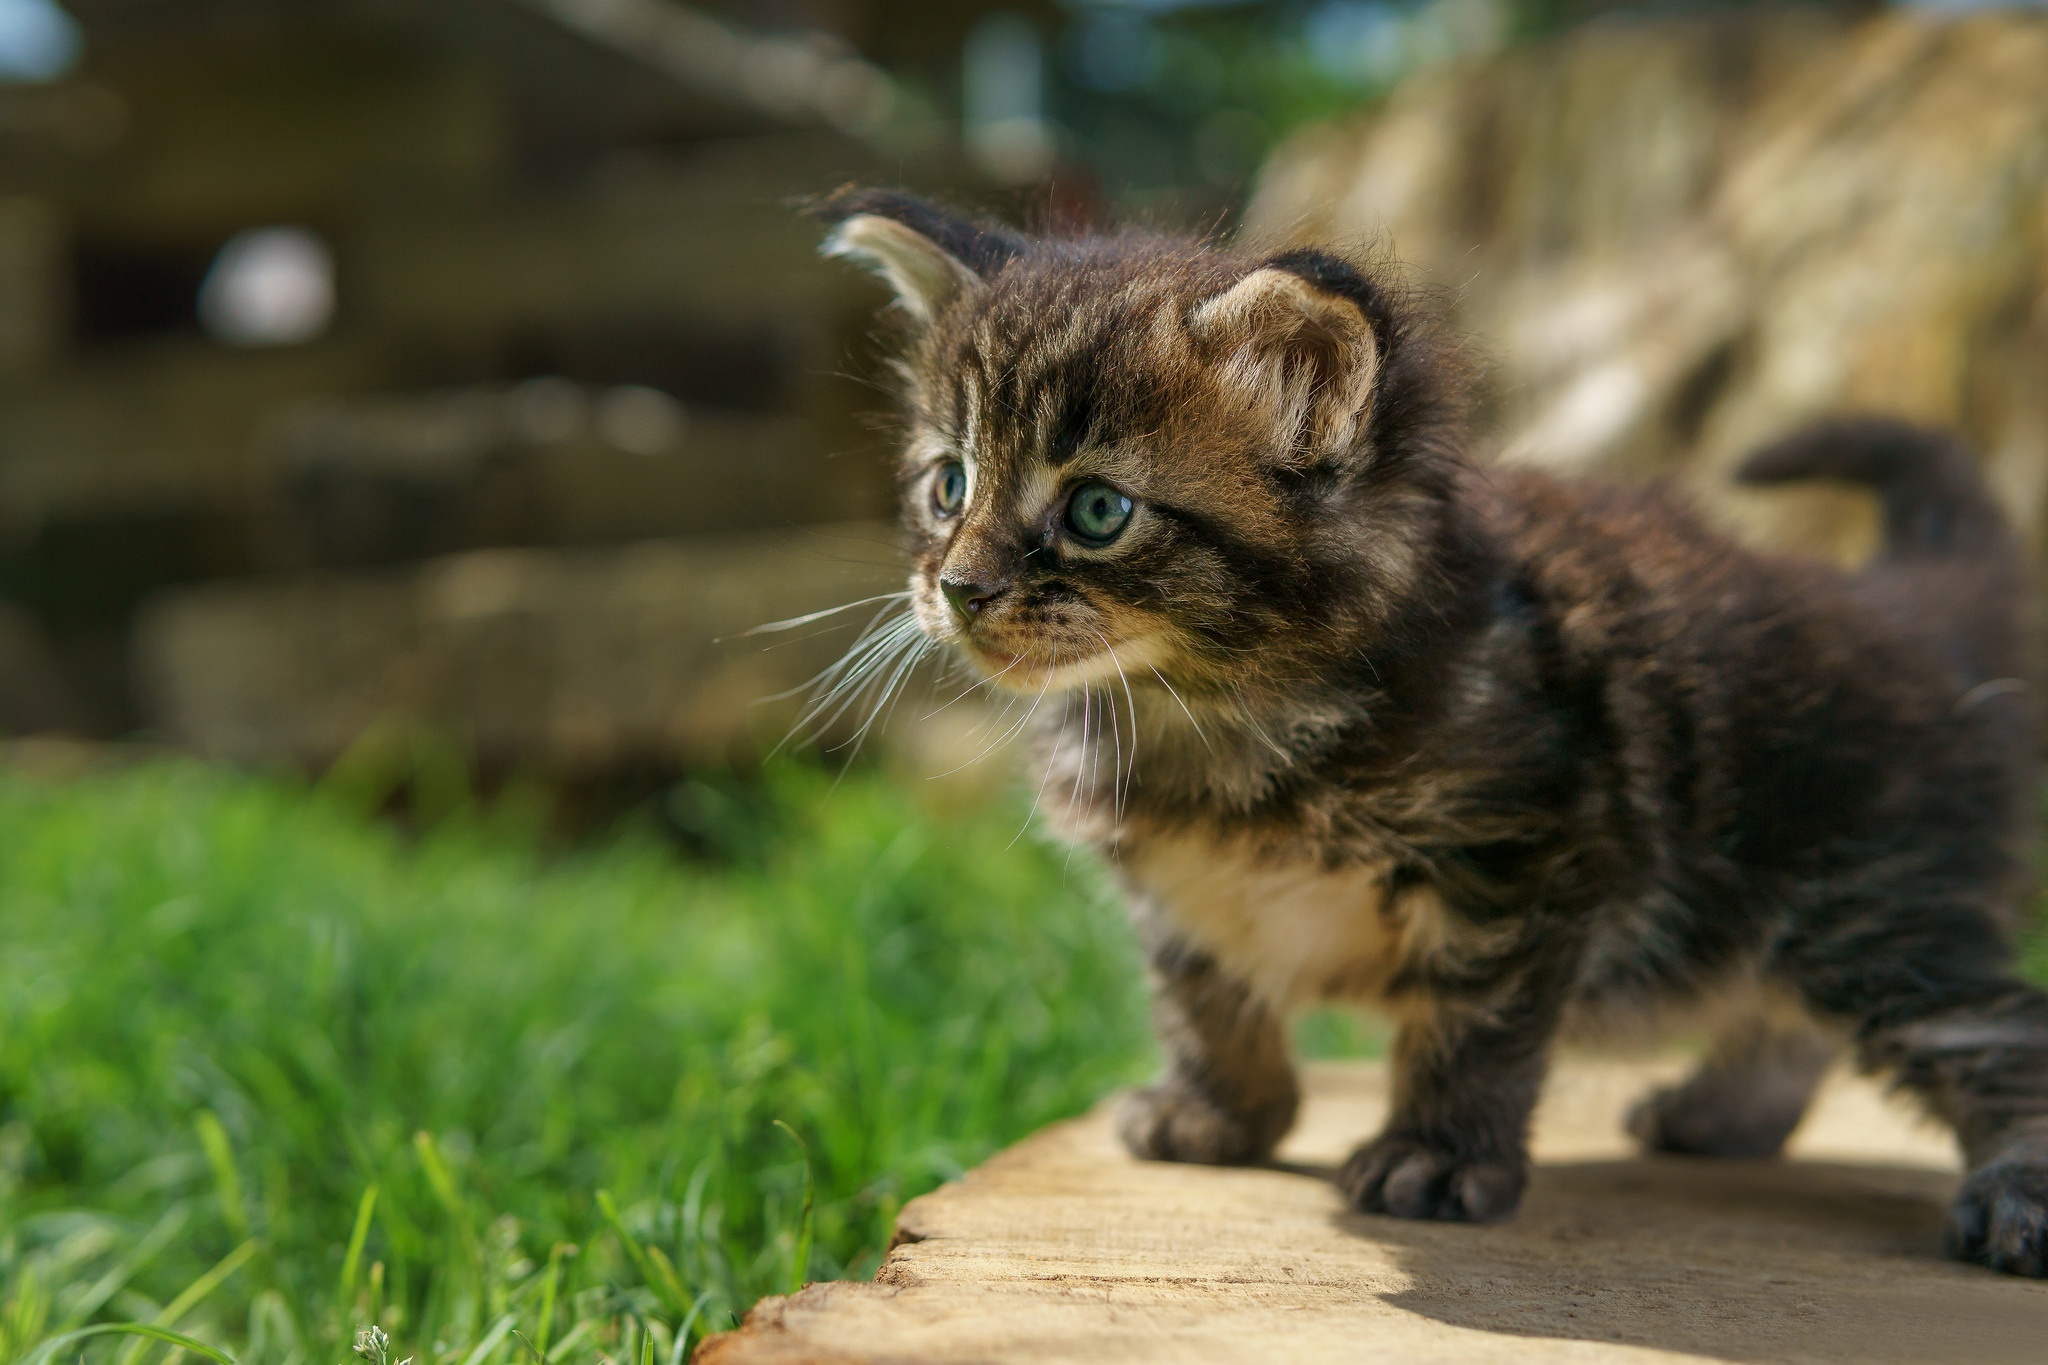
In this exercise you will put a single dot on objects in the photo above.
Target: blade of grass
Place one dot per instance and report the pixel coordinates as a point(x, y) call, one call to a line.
point(442, 1181)
point(137, 1329)
point(675, 1356)
point(145, 1251)
point(800, 1263)
point(546, 1327)
point(492, 1339)
point(660, 1278)
point(192, 1295)
point(220, 1154)
point(571, 1339)
point(352, 1263)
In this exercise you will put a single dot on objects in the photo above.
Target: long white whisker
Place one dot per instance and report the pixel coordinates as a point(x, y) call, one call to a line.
point(993, 745)
point(880, 624)
point(773, 627)
point(985, 681)
point(1183, 707)
point(1244, 709)
point(1116, 767)
point(1058, 738)
point(854, 670)
point(1129, 773)
point(843, 681)
point(849, 691)
point(909, 657)
point(1081, 771)
point(1022, 721)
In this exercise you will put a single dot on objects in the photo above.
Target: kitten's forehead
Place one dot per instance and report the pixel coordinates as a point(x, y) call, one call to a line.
point(1056, 357)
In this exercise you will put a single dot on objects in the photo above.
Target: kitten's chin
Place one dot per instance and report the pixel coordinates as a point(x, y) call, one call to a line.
point(1035, 674)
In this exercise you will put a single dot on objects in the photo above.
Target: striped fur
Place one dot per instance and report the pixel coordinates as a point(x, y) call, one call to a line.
point(1502, 756)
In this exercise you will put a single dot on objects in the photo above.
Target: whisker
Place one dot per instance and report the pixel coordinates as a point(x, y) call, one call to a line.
point(907, 659)
point(791, 623)
point(874, 629)
point(1007, 735)
point(1183, 707)
point(860, 659)
point(1244, 709)
point(1059, 737)
point(840, 684)
point(1130, 773)
point(849, 690)
point(984, 682)
point(1023, 721)
point(1081, 770)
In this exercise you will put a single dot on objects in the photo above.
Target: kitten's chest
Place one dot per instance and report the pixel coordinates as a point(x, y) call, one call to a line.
point(1292, 927)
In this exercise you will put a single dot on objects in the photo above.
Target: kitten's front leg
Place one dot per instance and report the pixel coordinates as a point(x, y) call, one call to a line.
point(1229, 1093)
point(1467, 1068)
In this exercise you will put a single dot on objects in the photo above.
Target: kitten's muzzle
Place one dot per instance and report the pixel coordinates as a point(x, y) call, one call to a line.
point(970, 596)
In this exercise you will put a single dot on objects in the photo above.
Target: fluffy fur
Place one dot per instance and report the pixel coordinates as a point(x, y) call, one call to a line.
point(1502, 756)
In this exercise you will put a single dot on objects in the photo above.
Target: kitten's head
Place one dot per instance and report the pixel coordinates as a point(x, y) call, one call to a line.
point(1131, 454)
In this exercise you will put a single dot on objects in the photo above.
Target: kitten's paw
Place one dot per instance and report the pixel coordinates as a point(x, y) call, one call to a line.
point(1685, 1121)
point(2000, 1218)
point(1172, 1122)
point(1410, 1179)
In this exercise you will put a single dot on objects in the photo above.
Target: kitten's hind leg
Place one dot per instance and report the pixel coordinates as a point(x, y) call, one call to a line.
point(1229, 1093)
point(1941, 1012)
point(1982, 1064)
point(1745, 1099)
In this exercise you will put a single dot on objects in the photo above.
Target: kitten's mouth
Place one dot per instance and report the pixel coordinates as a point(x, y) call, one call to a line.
point(1033, 672)
point(1010, 669)
point(992, 659)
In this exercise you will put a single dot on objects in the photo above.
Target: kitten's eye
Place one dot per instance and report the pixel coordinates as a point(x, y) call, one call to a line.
point(949, 490)
point(1098, 513)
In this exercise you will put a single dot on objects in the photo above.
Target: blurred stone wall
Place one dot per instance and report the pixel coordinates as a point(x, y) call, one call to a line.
point(572, 663)
point(585, 408)
point(1673, 240)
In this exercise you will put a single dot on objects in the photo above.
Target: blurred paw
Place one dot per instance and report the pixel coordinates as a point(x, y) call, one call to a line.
point(2000, 1218)
point(1172, 1122)
point(1410, 1179)
point(1683, 1120)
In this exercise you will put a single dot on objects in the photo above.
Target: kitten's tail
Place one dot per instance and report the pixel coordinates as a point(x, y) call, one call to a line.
point(1935, 505)
point(1950, 566)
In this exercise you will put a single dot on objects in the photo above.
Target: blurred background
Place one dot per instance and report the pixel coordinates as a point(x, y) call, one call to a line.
point(375, 374)
point(406, 407)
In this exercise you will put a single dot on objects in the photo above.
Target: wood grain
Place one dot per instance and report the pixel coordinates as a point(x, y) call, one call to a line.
point(1065, 1249)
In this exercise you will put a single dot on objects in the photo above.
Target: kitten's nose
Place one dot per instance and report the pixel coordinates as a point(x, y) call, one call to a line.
point(969, 596)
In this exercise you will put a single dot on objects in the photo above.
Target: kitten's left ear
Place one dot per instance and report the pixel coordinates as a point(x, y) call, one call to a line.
point(928, 256)
point(1296, 335)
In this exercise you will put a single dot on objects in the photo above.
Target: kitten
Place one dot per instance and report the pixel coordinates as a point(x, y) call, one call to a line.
point(1502, 756)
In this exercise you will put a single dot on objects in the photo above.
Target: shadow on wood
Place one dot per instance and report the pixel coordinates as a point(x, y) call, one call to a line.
point(1063, 1248)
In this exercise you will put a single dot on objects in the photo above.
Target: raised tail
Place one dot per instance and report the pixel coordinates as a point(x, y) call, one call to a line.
point(1935, 505)
point(1950, 568)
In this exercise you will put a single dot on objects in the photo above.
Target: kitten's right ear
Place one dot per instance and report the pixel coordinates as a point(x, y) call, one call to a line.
point(928, 256)
point(1298, 335)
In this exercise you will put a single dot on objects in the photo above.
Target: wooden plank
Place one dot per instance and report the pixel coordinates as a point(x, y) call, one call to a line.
point(1063, 1248)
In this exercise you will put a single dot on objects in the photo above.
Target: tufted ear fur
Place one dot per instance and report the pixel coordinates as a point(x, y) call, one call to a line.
point(927, 256)
point(1307, 357)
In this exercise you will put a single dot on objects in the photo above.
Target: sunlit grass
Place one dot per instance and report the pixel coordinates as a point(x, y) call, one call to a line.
point(271, 1072)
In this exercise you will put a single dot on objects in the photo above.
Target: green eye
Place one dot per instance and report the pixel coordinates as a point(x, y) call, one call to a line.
point(1098, 513)
point(949, 490)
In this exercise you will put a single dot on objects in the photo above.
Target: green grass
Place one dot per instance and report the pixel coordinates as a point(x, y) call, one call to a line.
point(271, 1072)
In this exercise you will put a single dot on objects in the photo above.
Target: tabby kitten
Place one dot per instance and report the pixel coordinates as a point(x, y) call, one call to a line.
point(1503, 756)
